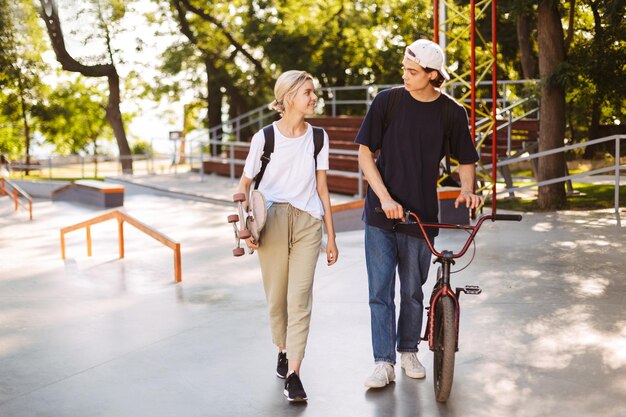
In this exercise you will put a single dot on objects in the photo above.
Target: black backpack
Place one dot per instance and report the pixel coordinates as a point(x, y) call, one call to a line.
point(448, 110)
point(268, 148)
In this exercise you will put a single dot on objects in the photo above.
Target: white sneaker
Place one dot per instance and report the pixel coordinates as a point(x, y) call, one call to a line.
point(383, 374)
point(412, 366)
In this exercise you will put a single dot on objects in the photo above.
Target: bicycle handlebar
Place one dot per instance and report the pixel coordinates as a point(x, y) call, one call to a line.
point(493, 217)
point(511, 217)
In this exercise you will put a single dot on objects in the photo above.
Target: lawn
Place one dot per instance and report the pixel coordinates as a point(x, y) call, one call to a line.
point(586, 197)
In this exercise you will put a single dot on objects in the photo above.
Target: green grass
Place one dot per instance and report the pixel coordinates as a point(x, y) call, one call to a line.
point(586, 197)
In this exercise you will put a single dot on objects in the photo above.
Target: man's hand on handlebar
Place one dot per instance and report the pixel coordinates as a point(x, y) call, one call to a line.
point(392, 209)
point(470, 199)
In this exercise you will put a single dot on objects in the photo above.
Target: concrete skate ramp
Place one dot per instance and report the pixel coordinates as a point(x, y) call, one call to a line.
point(90, 192)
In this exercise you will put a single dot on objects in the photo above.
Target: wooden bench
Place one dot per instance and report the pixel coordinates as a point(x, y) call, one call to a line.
point(524, 138)
point(91, 192)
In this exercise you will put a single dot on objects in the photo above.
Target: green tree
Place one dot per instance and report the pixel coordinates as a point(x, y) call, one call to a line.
point(340, 42)
point(104, 14)
point(141, 147)
point(552, 63)
point(598, 58)
point(245, 44)
point(73, 117)
point(216, 51)
point(21, 69)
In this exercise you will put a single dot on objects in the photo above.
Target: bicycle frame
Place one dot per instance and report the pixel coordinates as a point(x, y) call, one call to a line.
point(442, 325)
point(446, 258)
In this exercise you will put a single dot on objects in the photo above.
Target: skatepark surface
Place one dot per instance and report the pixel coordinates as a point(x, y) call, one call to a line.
point(103, 336)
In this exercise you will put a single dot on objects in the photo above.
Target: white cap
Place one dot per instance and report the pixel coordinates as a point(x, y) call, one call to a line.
point(427, 54)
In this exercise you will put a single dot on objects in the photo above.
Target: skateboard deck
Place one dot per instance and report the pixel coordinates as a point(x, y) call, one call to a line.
point(250, 223)
point(257, 214)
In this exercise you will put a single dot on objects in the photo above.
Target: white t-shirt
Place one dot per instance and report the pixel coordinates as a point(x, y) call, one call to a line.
point(290, 175)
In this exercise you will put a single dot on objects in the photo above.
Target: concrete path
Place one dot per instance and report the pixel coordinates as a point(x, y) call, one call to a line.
point(107, 337)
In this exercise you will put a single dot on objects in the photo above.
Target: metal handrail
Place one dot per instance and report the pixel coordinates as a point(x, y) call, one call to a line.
point(51, 161)
point(617, 168)
point(507, 110)
point(122, 217)
point(258, 115)
point(232, 161)
point(15, 195)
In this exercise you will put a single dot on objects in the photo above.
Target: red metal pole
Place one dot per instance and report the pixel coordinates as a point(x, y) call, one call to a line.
point(494, 103)
point(473, 69)
point(436, 21)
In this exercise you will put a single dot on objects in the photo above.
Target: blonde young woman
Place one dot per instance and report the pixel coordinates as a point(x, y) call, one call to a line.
point(294, 185)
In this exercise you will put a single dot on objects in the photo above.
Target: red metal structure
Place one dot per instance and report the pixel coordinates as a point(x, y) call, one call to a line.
point(470, 32)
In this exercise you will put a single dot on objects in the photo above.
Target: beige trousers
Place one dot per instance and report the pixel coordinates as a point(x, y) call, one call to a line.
point(288, 253)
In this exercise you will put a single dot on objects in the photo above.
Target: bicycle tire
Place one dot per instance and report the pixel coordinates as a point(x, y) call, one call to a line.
point(444, 348)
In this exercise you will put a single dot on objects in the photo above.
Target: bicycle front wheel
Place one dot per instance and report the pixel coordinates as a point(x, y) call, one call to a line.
point(445, 348)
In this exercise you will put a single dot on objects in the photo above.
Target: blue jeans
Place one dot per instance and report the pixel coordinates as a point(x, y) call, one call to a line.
point(384, 251)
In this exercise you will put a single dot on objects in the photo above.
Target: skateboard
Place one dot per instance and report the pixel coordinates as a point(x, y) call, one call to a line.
point(248, 224)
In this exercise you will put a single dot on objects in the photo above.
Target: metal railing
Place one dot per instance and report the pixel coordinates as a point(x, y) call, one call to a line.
point(330, 96)
point(122, 217)
point(227, 135)
point(615, 169)
point(59, 166)
point(15, 194)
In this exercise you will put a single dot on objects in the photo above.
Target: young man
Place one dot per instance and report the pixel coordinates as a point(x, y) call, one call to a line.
point(409, 134)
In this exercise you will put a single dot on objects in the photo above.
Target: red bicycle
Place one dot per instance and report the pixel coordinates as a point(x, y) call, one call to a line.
point(442, 325)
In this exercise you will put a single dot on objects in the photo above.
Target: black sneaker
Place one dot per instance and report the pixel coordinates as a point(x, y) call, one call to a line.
point(294, 391)
point(282, 366)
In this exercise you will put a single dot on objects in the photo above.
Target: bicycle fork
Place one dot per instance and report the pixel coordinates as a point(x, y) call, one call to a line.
point(442, 289)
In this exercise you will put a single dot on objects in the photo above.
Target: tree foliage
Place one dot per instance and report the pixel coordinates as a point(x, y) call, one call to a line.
point(104, 14)
point(597, 59)
point(21, 71)
point(73, 117)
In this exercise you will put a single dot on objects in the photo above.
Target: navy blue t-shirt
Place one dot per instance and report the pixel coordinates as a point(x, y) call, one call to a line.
point(410, 152)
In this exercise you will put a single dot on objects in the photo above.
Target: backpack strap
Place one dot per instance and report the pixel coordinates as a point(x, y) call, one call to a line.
point(268, 148)
point(448, 121)
point(318, 142)
point(395, 95)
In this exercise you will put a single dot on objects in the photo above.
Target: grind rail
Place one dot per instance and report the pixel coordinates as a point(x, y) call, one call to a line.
point(122, 217)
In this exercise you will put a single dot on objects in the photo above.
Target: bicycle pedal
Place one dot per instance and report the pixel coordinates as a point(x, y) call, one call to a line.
point(470, 290)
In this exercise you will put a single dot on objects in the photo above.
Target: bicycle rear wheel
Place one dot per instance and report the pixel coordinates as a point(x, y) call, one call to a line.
point(445, 348)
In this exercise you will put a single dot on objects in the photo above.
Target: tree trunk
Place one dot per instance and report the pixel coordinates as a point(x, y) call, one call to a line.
point(552, 113)
point(214, 100)
point(49, 14)
point(114, 116)
point(26, 126)
point(525, 48)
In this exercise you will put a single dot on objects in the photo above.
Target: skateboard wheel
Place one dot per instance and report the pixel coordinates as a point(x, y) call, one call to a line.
point(239, 197)
point(238, 251)
point(244, 234)
point(233, 218)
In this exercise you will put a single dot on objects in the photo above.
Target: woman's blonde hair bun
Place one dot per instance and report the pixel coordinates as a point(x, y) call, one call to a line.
point(286, 87)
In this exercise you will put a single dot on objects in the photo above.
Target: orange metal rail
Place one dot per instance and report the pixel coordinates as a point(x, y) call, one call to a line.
point(15, 195)
point(122, 217)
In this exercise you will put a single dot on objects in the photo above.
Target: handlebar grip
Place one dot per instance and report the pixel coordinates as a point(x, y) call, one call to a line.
point(511, 217)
